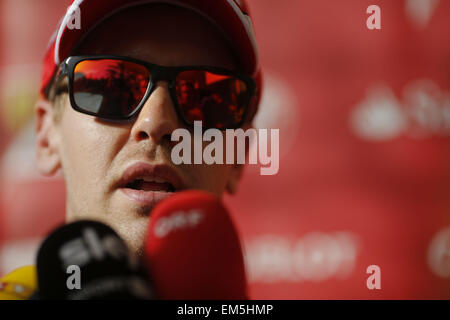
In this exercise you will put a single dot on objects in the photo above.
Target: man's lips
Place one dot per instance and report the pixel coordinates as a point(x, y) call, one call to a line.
point(148, 184)
point(146, 198)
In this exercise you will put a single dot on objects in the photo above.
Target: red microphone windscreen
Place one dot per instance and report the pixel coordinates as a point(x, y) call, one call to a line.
point(193, 250)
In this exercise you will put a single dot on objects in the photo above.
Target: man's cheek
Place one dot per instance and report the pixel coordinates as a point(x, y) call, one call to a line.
point(213, 178)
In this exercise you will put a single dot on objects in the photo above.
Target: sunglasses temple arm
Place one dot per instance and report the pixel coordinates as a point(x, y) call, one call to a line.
point(63, 70)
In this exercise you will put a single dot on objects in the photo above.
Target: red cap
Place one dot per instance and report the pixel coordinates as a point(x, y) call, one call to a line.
point(231, 16)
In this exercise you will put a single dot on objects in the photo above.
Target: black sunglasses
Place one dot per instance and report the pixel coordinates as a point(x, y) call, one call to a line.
point(116, 88)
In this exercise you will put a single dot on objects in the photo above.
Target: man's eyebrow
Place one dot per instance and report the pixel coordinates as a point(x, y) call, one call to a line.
point(61, 86)
point(58, 86)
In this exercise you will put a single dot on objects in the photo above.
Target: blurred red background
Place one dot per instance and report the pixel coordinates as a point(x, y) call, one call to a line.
point(364, 119)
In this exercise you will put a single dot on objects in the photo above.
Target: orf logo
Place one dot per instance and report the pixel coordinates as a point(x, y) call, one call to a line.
point(177, 221)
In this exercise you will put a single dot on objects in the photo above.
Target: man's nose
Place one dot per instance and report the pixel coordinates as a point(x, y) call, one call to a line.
point(157, 118)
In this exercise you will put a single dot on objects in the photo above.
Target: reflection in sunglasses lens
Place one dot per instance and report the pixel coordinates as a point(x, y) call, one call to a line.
point(109, 88)
point(216, 100)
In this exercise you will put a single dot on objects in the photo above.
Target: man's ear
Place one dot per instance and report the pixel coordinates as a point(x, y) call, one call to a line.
point(48, 158)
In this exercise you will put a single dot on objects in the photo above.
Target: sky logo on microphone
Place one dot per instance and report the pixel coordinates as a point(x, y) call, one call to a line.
point(81, 251)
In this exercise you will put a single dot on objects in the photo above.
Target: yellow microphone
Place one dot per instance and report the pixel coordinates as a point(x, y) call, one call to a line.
point(19, 284)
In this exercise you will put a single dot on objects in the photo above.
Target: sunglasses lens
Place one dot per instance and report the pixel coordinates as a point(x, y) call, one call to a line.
point(110, 89)
point(219, 101)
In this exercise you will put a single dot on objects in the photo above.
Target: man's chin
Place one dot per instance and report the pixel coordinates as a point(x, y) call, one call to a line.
point(133, 233)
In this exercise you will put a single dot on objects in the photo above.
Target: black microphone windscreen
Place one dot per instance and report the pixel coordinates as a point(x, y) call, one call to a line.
point(88, 260)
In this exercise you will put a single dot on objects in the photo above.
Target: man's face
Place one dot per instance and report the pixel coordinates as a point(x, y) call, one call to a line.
point(97, 156)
